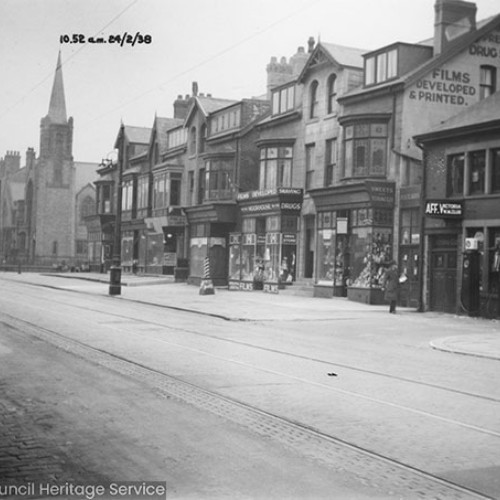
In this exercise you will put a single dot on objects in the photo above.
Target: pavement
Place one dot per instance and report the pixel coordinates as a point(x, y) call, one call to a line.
point(482, 341)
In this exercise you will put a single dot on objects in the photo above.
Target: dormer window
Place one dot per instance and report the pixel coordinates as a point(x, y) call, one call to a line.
point(381, 67)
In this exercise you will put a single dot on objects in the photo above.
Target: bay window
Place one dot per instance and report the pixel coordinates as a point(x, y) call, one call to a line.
point(366, 150)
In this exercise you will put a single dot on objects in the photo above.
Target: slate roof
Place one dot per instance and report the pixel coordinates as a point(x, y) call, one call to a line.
point(345, 56)
point(139, 135)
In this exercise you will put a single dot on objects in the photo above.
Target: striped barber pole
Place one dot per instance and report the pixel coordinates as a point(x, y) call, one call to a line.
point(206, 286)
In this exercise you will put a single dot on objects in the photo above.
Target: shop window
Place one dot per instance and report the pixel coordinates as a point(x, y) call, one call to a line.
point(495, 171)
point(81, 247)
point(310, 153)
point(488, 81)
point(455, 174)
point(494, 260)
point(410, 227)
point(313, 100)
point(331, 161)
point(248, 225)
point(366, 150)
point(275, 167)
point(478, 234)
point(331, 93)
point(477, 161)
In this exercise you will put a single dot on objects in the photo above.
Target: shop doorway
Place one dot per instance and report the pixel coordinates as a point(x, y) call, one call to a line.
point(309, 245)
point(443, 280)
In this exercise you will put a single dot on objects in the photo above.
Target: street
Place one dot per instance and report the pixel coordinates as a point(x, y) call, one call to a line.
point(341, 402)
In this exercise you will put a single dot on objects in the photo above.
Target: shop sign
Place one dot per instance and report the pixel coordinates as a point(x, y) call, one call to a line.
point(341, 225)
point(262, 193)
point(261, 207)
point(409, 196)
point(289, 239)
point(234, 239)
point(381, 193)
point(234, 285)
point(451, 209)
point(271, 288)
point(169, 259)
point(246, 286)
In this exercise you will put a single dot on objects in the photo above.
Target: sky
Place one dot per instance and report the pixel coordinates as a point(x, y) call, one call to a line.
point(223, 45)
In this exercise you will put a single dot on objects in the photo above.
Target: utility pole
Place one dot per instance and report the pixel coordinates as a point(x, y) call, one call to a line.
point(115, 271)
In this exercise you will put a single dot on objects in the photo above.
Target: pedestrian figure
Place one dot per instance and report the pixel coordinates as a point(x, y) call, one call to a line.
point(391, 282)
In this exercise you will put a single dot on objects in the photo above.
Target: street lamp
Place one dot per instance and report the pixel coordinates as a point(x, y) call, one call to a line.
point(115, 271)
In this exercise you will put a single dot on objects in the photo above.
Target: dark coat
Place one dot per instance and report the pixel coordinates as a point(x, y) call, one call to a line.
point(391, 283)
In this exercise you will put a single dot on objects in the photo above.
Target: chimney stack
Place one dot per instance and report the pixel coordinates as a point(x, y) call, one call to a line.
point(453, 18)
point(181, 107)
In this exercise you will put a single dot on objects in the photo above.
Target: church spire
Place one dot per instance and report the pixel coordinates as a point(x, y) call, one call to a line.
point(57, 106)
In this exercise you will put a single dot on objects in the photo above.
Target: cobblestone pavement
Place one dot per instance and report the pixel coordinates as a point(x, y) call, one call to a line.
point(363, 468)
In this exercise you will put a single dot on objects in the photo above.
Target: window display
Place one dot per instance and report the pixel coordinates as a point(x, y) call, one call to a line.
point(272, 257)
point(235, 257)
point(155, 249)
point(127, 248)
point(371, 248)
point(248, 257)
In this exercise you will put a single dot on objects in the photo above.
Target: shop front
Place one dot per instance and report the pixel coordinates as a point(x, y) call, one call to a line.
point(263, 252)
point(354, 239)
point(164, 248)
point(209, 228)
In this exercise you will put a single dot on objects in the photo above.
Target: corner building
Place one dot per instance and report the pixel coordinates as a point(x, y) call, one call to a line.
point(407, 89)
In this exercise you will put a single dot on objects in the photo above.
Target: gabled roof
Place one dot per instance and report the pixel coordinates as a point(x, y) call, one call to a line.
point(208, 105)
point(455, 48)
point(162, 126)
point(136, 135)
point(339, 55)
point(85, 173)
point(484, 112)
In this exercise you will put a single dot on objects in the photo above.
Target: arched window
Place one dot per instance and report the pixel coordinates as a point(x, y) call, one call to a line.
point(331, 93)
point(313, 100)
point(192, 141)
point(203, 138)
point(87, 207)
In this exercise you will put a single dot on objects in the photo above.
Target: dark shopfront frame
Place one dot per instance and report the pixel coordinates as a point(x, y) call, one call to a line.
point(263, 253)
point(368, 207)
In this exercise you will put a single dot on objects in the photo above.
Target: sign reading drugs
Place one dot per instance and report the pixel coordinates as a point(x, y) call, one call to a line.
point(452, 209)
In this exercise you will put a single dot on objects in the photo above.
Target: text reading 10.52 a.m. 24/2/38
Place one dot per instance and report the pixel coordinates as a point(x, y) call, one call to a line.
point(118, 39)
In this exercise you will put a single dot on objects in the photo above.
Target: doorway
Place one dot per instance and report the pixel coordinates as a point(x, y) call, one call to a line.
point(443, 285)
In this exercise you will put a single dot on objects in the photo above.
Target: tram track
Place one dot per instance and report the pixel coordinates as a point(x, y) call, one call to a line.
point(368, 466)
point(331, 364)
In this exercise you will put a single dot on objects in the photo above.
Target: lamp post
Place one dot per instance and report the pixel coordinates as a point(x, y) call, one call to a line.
point(115, 271)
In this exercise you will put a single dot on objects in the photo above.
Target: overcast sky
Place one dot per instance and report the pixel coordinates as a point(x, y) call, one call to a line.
point(224, 45)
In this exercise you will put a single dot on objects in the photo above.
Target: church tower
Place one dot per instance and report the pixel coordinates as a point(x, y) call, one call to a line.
point(50, 184)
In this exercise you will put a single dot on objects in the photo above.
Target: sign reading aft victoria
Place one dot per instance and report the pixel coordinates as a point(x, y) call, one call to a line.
point(452, 209)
